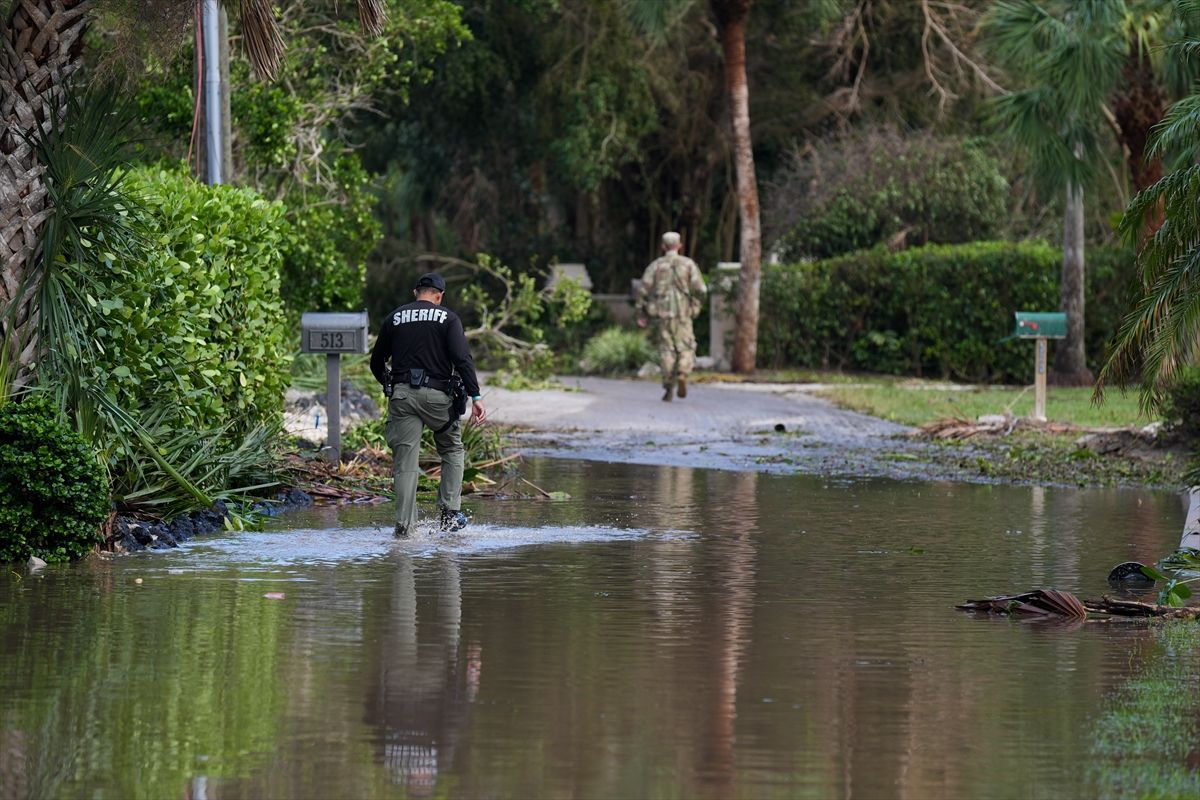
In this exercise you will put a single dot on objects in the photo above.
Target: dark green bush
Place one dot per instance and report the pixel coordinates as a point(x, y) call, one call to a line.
point(938, 310)
point(53, 494)
point(1181, 408)
point(847, 193)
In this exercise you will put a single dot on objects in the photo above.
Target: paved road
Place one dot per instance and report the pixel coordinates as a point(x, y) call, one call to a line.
point(718, 425)
point(627, 406)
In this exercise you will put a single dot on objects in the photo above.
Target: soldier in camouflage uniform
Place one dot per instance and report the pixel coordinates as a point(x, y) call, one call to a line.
point(671, 296)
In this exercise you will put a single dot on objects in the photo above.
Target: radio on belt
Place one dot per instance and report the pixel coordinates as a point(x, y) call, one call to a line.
point(333, 333)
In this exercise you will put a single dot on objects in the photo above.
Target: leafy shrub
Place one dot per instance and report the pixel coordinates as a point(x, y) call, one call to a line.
point(1181, 407)
point(53, 495)
point(614, 351)
point(937, 310)
point(852, 192)
point(325, 244)
point(197, 323)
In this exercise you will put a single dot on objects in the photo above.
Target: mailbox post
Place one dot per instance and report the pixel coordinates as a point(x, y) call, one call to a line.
point(333, 334)
point(1039, 327)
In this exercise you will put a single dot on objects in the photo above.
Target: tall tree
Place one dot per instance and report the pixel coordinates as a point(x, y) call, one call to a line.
point(1068, 55)
point(731, 22)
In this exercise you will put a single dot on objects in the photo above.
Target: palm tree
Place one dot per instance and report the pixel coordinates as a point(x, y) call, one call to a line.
point(41, 48)
point(1161, 335)
point(1069, 54)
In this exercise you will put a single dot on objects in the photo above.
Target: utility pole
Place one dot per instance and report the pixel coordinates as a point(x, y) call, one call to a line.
point(213, 146)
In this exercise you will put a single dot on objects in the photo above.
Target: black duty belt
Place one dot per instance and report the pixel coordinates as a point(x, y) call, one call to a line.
point(401, 378)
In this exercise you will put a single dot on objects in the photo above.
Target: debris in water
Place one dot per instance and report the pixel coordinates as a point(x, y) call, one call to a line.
point(274, 595)
point(1039, 602)
point(1056, 603)
point(1130, 572)
point(137, 580)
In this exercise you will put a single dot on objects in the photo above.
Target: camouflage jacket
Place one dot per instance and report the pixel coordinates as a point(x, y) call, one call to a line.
point(672, 287)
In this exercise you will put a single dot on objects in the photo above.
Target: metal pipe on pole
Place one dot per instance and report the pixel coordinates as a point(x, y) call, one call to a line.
point(213, 146)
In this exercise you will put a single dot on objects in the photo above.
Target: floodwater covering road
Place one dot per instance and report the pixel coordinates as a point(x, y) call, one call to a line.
point(724, 426)
point(667, 632)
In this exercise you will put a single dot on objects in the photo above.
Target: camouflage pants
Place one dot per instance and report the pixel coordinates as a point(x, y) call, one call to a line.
point(676, 348)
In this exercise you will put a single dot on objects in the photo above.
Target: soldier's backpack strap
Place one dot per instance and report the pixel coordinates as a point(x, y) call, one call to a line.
point(695, 306)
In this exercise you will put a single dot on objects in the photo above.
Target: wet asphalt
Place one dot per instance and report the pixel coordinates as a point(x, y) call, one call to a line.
point(763, 427)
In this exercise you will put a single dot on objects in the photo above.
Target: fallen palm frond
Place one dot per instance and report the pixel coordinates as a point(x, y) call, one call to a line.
point(1040, 602)
point(1054, 603)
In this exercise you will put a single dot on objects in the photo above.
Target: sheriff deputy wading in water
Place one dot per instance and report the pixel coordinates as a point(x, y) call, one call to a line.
point(430, 364)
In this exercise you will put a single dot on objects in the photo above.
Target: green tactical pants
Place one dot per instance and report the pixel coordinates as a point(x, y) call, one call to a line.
point(676, 348)
point(409, 411)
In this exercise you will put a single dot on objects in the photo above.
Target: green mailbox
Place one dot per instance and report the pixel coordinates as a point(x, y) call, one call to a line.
point(1040, 325)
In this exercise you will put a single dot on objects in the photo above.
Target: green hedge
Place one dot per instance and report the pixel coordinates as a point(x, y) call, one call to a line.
point(937, 310)
point(198, 323)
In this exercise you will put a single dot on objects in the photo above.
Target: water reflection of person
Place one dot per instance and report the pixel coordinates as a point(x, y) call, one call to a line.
point(421, 699)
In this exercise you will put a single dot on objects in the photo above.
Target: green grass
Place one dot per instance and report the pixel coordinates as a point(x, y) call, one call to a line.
point(792, 375)
point(917, 402)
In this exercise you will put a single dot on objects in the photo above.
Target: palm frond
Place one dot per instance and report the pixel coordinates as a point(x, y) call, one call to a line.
point(1162, 333)
point(372, 14)
point(1021, 32)
point(655, 18)
point(260, 33)
point(1069, 56)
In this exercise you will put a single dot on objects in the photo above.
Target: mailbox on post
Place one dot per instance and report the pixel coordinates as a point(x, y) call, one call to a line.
point(1039, 326)
point(333, 334)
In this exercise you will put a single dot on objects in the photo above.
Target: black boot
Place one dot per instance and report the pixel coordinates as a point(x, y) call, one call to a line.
point(400, 531)
point(452, 520)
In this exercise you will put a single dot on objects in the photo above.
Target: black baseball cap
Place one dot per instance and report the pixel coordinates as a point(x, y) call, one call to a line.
point(431, 280)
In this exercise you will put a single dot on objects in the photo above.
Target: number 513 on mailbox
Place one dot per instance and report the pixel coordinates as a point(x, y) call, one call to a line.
point(338, 332)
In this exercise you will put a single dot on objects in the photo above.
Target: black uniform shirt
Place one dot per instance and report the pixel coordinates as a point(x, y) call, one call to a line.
point(424, 336)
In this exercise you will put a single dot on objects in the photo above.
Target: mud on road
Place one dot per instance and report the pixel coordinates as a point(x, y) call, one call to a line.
point(782, 428)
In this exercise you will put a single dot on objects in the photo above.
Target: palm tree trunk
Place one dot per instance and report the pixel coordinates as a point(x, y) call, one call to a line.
point(731, 18)
point(1070, 361)
point(40, 46)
